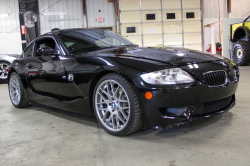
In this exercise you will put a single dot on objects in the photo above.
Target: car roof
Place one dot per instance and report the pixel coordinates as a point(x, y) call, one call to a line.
point(56, 32)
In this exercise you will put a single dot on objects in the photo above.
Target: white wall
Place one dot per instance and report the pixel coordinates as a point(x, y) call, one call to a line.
point(72, 20)
point(100, 8)
point(211, 15)
point(10, 38)
point(211, 8)
point(207, 31)
point(240, 8)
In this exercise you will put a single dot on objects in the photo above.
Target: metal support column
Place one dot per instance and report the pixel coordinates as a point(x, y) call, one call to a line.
point(202, 27)
point(182, 25)
point(162, 24)
point(142, 41)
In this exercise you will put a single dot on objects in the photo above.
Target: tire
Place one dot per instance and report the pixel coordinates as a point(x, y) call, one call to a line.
point(4, 67)
point(116, 105)
point(16, 91)
point(241, 53)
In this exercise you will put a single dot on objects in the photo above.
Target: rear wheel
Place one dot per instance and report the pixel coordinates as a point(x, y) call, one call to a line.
point(116, 105)
point(241, 53)
point(16, 91)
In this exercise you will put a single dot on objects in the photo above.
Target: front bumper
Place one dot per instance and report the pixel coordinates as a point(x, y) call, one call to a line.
point(190, 115)
point(193, 97)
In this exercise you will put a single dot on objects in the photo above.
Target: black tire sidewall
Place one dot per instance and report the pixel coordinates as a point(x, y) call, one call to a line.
point(129, 125)
point(243, 45)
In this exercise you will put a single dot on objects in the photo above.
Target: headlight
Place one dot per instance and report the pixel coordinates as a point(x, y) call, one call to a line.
point(168, 77)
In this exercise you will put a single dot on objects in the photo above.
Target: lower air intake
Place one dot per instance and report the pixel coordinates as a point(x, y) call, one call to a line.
point(214, 106)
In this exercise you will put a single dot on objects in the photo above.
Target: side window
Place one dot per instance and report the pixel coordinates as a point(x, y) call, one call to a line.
point(28, 51)
point(49, 42)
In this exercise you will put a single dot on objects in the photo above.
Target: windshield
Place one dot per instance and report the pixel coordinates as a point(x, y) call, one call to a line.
point(80, 40)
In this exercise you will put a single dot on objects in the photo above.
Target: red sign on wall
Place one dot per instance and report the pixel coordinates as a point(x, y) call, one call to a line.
point(100, 19)
point(23, 29)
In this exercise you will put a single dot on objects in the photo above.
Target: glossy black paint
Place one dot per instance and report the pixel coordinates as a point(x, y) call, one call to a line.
point(45, 78)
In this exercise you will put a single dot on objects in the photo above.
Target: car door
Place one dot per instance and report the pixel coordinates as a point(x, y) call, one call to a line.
point(44, 73)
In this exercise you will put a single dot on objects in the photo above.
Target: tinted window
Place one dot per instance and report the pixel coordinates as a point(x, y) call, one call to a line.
point(190, 15)
point(170, 15)
point(28, 52)
point(48, 42)
point(131, 30)
point(85, 39)
point(150, 16)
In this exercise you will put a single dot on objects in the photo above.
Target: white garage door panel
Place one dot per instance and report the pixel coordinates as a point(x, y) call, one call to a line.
point(173, 40)
point(152, 28)
point(173, 27)
point(147, 5)
point(197, 14)
point(194, 47)
point(152, 40)
point(129, 5)
point(135, 39)
point(177, 15)
point(157, 16)
point(192, 26)
point(137, 29)
point(161, 31)
point(191, 4)
point(171, 4)
point(128, 17)
point(192, 38)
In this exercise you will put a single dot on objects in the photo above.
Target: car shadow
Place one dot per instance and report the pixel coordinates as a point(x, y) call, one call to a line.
point(210, 127)
point(205, 129)
point(71, 116)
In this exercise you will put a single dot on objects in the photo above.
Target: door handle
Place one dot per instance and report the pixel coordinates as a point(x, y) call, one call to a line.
point(29, 65)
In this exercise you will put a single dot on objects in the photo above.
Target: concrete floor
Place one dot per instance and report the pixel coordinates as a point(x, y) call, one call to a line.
point(45, 136)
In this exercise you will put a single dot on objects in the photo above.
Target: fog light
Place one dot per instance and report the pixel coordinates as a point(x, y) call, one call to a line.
point(173, 111)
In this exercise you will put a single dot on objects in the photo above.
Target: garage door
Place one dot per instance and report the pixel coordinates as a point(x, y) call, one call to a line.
point(153, 23)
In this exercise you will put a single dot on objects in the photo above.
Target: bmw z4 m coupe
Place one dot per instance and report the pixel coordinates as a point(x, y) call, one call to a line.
point(126, 87)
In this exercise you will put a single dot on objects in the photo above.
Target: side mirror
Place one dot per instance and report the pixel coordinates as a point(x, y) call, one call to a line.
point(46, 51)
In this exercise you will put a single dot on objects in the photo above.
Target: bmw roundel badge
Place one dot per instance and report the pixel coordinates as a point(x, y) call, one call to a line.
point(223, 64)
point(70, 77)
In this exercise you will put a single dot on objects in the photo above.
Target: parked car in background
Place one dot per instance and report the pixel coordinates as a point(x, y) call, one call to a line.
point(5, 61)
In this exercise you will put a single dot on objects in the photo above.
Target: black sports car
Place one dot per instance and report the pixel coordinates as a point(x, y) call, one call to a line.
point(124, 86)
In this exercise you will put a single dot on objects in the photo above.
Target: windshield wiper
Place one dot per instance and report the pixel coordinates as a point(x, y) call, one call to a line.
point(86, 48)
point(133, 45)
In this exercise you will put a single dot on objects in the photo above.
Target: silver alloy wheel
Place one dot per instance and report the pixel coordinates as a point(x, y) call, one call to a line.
point(4, 67)
point(112, 105)
point(14, 88)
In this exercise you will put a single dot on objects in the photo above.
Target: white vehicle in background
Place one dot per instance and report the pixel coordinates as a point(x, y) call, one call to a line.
point(5, 61)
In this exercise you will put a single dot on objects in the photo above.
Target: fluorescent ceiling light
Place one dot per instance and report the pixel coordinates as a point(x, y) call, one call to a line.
point(4, 14)
point(54, 13)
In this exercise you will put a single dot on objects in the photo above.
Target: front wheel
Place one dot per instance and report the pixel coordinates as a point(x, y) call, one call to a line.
point(116, 105)
point(241, 53)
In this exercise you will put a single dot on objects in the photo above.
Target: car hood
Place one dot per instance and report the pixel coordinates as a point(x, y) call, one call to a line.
point(175, 56)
